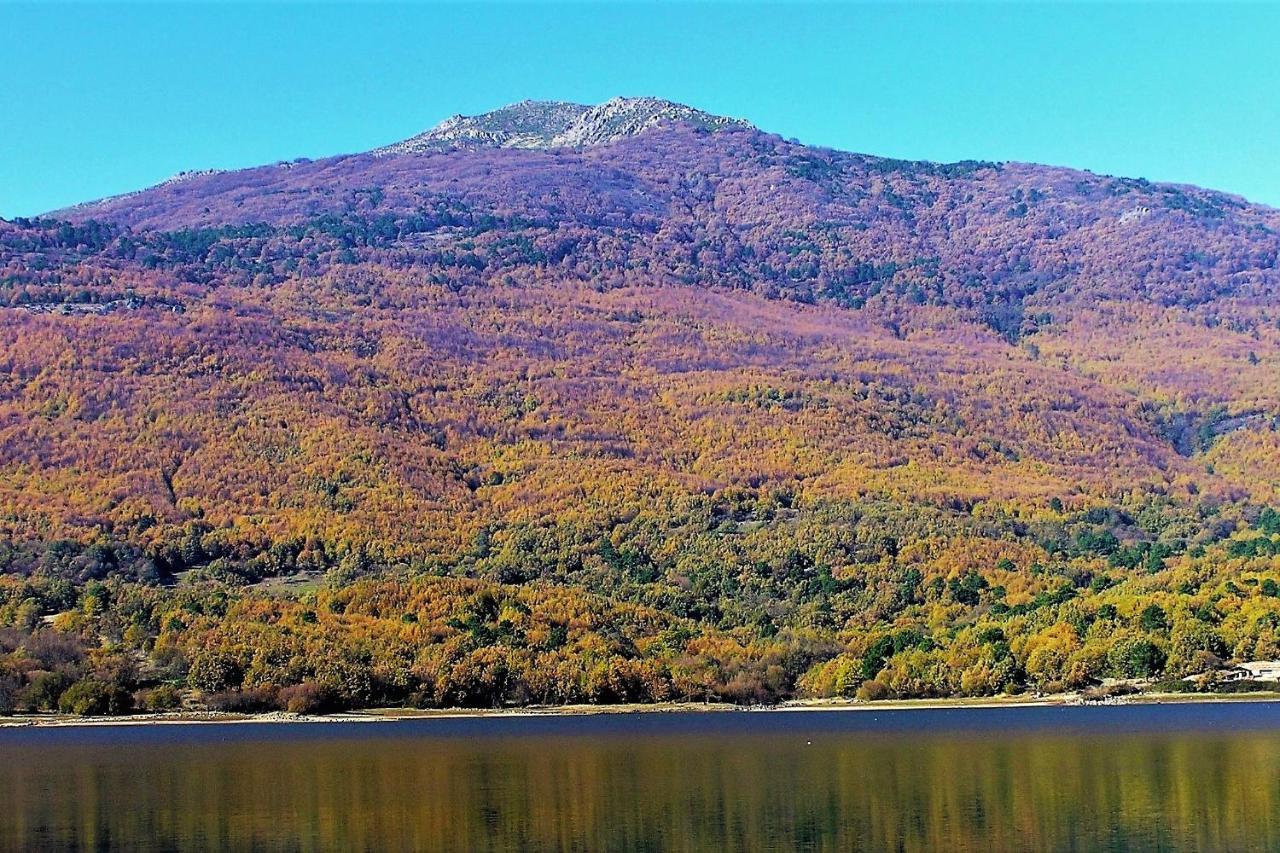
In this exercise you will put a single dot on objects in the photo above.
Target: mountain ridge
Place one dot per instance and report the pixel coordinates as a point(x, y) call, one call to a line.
point(557, 124)
point(532, 125)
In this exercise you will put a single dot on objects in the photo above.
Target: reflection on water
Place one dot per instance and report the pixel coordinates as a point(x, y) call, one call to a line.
point(811, 784)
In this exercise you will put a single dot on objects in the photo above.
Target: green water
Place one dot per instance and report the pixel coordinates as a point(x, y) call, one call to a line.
point(1087, 779)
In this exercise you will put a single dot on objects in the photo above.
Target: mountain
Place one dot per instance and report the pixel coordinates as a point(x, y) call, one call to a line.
point(630, 402)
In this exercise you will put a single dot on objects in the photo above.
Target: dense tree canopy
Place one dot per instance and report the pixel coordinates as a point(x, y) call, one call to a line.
point(687, 416)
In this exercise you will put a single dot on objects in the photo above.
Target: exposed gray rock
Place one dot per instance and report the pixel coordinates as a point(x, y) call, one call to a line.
point(557, 124)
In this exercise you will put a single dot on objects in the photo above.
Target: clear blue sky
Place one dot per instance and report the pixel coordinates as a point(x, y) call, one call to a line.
point(103, 99)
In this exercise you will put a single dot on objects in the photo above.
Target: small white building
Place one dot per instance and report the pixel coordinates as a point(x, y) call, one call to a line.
point(1254, 670)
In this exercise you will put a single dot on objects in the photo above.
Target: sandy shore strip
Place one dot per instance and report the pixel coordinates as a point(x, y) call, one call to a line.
point(391, 715)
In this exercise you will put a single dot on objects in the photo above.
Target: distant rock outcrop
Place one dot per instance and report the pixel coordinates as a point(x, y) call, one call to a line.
point(557, 124)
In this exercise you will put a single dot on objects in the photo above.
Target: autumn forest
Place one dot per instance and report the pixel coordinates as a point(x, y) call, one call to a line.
point(693, 415)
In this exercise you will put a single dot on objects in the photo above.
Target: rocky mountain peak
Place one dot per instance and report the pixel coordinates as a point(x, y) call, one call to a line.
point(557, 124)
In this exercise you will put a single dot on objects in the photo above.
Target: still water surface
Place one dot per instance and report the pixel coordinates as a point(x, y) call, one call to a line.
point(1171, 777)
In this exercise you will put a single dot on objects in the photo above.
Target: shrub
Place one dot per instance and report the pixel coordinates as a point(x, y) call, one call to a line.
point(90, 697)
point(162, 698)
point(1135, 658)
point(43, 691)
point(1153, 619)
point(170, 663)
point(214, 672)
point(10, 687)
point(54, 649)
point(305, 698)
point(252, 700)
point(1176, 685)
point(1246, 685)
point(872, 690)
point(1111, 691)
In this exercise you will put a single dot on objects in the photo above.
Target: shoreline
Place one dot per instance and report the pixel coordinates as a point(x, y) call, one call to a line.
point(392, 715)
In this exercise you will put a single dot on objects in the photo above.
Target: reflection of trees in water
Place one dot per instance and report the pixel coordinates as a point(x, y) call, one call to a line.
point(1193, 791)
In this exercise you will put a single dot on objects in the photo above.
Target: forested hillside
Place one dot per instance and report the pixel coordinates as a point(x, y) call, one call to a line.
point(688, 412)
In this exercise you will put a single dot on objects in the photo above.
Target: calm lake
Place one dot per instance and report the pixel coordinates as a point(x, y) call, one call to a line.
point(1159, 777)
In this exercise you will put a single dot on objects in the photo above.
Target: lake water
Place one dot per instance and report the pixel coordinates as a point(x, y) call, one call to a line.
point(1167, 777)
